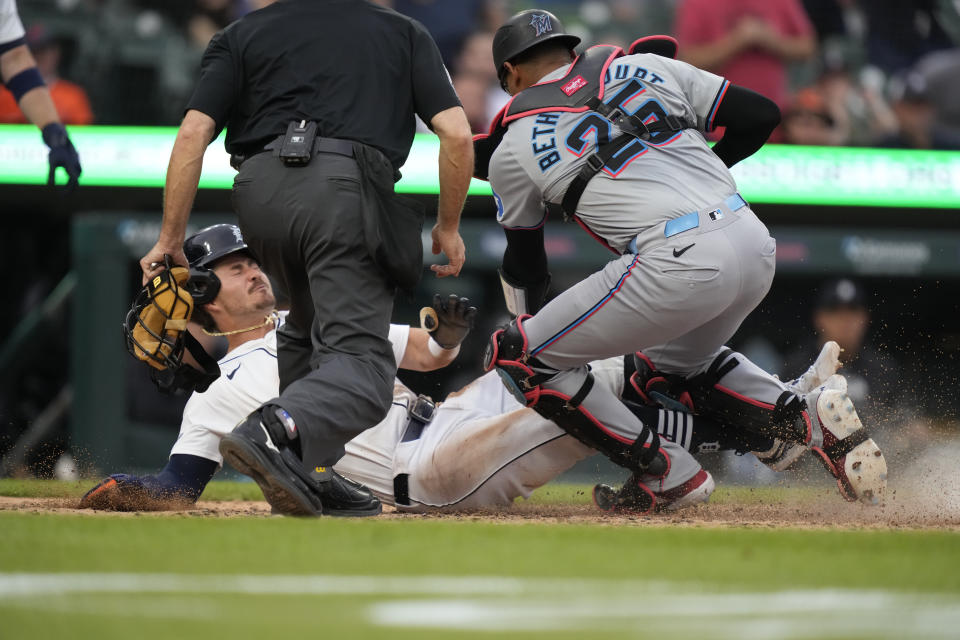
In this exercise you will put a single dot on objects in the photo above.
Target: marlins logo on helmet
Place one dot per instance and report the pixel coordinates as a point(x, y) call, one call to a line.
point(541, 23)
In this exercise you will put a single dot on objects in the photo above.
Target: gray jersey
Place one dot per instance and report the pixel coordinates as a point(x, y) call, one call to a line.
point(646, 183)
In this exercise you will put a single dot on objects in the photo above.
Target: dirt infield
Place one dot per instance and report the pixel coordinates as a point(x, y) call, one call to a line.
point(831, 511)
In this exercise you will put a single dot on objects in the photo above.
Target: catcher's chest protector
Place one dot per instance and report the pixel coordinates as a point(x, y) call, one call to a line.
point(584, 80)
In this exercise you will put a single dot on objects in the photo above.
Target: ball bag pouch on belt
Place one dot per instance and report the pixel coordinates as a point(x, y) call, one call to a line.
point(392, 224)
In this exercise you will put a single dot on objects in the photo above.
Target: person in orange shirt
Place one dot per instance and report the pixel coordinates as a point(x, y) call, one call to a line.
point(70, 100)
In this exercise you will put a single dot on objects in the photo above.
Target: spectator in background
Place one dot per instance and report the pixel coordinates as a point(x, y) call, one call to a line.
point(807, 121)
point(473, 90)
point(69, 99)
point(941, 71)
point(749, 42)
point(855, 103)
point(875, 380)
point(208, 17)
point(447, 21)
point(841, 314)
point(832, 19)
point(900, 33)
point(476, 82)
point(915, 113)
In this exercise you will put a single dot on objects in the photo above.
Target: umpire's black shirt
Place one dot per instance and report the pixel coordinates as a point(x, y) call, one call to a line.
point(357, 69)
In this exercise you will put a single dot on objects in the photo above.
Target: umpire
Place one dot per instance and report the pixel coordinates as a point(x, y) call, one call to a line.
point(318, 98)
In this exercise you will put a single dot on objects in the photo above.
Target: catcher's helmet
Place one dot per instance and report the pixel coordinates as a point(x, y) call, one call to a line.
point(525, 30)
point(203, 249)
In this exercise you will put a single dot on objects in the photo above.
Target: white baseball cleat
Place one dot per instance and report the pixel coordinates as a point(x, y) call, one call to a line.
point(826, 364)
point(782, 455)
point(844, 447)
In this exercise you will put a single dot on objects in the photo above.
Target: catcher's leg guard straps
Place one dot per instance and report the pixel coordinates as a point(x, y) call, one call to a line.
point(567, 412)
point(524, 377)
point(735, 391)
point(507, 353)
point(646, 385)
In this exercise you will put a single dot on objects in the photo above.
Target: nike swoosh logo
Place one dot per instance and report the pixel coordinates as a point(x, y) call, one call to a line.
point(234, 372)
point(677, 253)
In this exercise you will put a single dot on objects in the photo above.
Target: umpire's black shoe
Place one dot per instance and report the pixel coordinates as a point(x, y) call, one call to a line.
point(250, 450)
point(343, 497)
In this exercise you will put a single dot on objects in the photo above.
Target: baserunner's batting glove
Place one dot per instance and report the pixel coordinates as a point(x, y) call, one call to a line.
point(448, 320)
point(62, 154)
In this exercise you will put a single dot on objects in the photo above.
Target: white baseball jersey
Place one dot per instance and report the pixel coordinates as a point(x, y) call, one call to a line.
point(248, 378)
point(10, 26)
point(646, 183)
point(482, 448)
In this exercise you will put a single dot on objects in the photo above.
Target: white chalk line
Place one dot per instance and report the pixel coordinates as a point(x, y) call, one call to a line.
point(505, 604)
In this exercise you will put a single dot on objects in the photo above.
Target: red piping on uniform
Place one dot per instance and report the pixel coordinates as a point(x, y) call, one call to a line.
point(593, 235)
point(581, 409)
point(756, 403)
point(716, 106)
point(643, 356)
point(636, 387)
point(679, 491)
point(806, 419)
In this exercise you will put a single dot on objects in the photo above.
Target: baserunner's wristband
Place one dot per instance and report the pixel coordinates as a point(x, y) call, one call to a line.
point(439, 351)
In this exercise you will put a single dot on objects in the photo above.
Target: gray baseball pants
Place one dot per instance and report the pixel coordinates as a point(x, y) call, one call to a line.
point(335, 361)
point(678, 299)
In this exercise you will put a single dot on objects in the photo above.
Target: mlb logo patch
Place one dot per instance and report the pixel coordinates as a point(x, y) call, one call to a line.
point(715, 215)
point(574, 85)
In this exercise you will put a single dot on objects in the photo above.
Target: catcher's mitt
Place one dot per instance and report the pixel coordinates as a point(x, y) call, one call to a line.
point(156, 333)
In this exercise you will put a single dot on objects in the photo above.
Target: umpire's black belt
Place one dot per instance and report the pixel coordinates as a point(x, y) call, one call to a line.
point(320, 145)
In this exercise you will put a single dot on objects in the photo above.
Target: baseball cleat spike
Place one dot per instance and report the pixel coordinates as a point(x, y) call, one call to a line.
point(848, 452)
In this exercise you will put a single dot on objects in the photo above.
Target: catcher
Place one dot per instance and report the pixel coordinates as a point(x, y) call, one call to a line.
point(415, 457)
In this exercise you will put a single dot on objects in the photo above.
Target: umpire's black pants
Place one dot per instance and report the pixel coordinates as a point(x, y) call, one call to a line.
point(336, 364)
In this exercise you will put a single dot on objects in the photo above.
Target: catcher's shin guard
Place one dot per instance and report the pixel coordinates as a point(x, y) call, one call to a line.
point(735, 391)
point(525, 376)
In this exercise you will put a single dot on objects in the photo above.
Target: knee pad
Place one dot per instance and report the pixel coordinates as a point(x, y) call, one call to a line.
point(524, 378)
point(507, 353)
point(639, 456)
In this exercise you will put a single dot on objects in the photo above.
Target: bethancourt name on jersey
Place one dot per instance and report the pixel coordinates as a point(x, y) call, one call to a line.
point(544, 140)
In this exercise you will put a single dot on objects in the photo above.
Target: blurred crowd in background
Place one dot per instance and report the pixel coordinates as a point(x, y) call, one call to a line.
point(844, 72)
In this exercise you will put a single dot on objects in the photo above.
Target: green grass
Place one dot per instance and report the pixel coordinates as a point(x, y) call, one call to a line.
point(221, 490)
point(573, 580)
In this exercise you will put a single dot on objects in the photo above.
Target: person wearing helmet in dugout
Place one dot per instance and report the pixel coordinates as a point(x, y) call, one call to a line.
point(615, 141)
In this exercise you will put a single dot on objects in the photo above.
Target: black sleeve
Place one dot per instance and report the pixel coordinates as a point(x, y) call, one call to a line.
point(432, 89)
point(749, 119)
point(217, 88)
point(525, 259)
